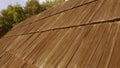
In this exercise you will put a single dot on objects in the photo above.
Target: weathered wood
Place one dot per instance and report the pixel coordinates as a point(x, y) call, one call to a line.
point(76, 34)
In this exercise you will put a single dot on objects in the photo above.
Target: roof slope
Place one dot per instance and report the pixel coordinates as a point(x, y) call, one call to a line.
point(76, 34)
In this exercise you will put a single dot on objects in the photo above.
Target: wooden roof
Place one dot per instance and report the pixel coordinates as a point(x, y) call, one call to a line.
point(76, 34)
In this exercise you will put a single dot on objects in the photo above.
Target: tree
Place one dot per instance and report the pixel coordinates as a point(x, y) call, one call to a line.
point(9, 17)
point(50, 3)
point(32, 7)
point(18, 14)
point(15, 13)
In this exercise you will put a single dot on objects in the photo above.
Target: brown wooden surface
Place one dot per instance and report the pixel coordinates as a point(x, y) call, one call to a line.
point(78, 34)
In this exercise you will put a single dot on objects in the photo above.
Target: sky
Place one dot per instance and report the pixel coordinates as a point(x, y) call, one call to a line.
point(5, 3)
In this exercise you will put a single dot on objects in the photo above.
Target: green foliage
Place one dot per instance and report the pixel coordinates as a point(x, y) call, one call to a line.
point(32, 7)
point(15, 13)
point(50, 3)
point(18, 14)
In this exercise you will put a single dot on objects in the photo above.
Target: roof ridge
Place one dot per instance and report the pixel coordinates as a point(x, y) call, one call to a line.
point(73, 26)
point(57, 12)
point(67, 9)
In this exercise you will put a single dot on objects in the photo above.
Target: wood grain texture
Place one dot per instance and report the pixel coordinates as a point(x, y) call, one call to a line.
point(78, 34)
